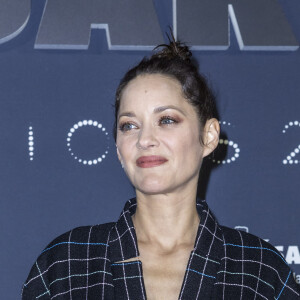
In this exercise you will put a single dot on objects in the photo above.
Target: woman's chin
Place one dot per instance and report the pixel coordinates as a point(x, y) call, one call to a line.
point(153, 187)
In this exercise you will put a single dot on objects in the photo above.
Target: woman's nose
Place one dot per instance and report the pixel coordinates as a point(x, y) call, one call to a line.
point(147, 138)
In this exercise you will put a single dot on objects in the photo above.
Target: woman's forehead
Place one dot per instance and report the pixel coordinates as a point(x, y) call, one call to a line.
point(153, 90)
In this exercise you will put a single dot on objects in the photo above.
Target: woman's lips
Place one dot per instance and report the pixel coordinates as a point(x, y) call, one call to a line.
point(150, 161)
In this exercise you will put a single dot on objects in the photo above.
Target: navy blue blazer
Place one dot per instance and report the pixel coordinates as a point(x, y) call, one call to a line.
point(224, 264)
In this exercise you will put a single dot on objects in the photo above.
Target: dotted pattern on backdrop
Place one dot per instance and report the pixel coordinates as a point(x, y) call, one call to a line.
point(230, 143)
point(73, 129)
point(290, 158)
point(30, 143)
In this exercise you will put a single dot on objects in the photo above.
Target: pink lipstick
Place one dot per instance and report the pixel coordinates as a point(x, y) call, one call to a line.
point(150, 161)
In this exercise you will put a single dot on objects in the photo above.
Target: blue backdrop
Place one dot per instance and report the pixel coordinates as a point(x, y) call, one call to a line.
point(59, 169)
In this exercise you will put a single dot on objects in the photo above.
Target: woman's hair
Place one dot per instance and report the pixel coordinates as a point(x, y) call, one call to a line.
point(174, 60)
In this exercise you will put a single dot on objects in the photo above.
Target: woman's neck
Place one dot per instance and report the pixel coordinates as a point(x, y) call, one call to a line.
point(166, 221)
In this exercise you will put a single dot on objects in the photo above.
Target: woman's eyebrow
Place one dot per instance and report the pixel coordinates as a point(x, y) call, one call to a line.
point(163, 108)
point(156, 110)
point(127, 114)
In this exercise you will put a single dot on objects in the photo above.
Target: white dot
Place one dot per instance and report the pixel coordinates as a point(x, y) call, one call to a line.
point(291, 162)
point(72, 153)
point(95, 161)
point(235, 145)
point(85, 122)
point(230, 143)
point(236, 155)
point(286, 126)
point(296, 150)
point(84, 162)
point(299, 146)
point(224, 122)
point(99, 125)
point(31, 158)
point(223, 162)
point(288, 158)
point(68, 144)
point(285, 161)
point(103, 156)
point(103, 129)
point(68, 139)
point(72, 130)
point(228, 161)
point(296, 122)
point(31, 153)
point(30, 148)
point(233, 158)
point(296, 161)
point(293, 154)
point(79, 123)
point(80, 160)
point(69, 149)
point(75, 126)
point(90, 162)
point(106, 133)
point(291, 123)
point(95, 123)
point(237, 150)
point(106, 152)
point(221, 141)
point(283, 131)
point(69, 134)
point(30, 138)
point(30, 133)
point(99, 159)
point(219, 162)
point(90, 122)
point(30, 143)
point(229, 124)
point(226, 142)
point(30, 127)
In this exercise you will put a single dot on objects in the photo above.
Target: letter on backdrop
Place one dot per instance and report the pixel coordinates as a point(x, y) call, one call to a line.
point(258, 24)
point(14, 15)
point(131, 24)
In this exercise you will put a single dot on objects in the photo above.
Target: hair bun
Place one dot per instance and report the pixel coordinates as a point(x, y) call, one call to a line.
point(174, 50)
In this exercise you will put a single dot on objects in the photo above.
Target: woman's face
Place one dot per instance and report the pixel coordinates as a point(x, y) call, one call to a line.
point(158, 136)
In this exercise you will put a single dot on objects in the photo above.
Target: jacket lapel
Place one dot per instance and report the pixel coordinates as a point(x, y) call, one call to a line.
point(205, 259)
point(127, 277)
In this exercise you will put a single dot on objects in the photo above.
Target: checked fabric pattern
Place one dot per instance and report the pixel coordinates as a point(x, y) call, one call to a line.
point(225, 264)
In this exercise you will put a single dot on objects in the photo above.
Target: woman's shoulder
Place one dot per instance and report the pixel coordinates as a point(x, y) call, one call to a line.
point(78, 240)
point(72, 250)
point(239, 242)
point(257, 260)
point(82, 235)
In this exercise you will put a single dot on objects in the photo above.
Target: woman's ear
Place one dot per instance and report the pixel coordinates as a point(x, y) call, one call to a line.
point(211, 133)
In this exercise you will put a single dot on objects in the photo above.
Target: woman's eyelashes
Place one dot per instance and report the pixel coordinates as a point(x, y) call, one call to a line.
point(162, 121)
point(168, 120)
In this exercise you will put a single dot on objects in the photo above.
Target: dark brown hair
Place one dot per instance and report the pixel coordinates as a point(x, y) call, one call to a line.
point(174, 60)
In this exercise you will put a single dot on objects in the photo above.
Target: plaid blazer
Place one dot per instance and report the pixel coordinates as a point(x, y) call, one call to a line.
point(224, 264)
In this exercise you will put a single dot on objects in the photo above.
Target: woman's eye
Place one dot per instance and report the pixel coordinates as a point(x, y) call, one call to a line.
point(127, 126)
point(167, 120)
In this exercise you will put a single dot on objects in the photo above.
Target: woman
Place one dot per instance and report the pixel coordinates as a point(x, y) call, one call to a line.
point(165, 245)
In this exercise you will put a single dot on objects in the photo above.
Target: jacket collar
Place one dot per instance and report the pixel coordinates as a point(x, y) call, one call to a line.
point(123, 240)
